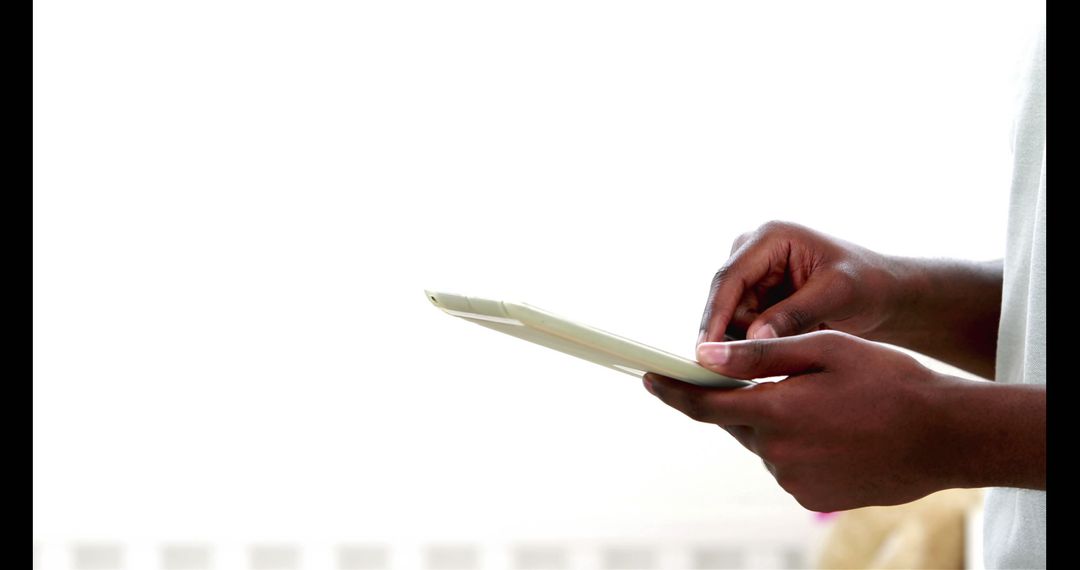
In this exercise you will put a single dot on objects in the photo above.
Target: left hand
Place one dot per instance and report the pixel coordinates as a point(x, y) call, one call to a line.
point(855, 424)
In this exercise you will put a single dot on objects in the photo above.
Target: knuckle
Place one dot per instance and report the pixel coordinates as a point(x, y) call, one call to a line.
point(771, 410)
point(741, 240)
point(831, 340)
point(778, 227)
point(722, 274)
point(758, 353)
point(843, 286)
point(797, 319)
point(727, 273)
point(773, 226)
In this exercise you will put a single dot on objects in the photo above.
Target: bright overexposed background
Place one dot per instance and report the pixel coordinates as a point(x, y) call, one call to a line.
point(237, 206)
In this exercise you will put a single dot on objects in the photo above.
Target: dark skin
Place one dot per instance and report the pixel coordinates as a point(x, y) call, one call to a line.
point(855, 423)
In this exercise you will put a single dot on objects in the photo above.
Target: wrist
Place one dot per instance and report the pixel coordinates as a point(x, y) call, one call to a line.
point(899, 284)
point(989, 435)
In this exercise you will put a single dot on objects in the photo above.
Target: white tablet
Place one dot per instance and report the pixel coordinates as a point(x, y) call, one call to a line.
point(592, 344)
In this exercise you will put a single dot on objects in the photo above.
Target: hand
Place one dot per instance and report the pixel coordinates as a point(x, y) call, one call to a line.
point(785, 279)
point(855, 423)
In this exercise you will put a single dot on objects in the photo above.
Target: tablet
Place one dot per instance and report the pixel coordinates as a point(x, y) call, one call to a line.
point(589, 343)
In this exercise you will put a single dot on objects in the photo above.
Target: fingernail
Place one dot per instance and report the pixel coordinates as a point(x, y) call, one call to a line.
point(713, 353)
point(764, 332)
point(648, 384)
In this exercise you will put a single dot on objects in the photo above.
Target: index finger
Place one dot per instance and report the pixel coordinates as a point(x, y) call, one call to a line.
point(721, 406)
point(746, 266)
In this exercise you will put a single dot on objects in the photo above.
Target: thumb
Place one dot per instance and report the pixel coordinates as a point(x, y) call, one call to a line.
point(806, 308)
point(748, 359)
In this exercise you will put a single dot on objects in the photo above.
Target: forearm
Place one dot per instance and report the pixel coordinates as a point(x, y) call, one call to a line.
point(994, 435)
point(946, 309)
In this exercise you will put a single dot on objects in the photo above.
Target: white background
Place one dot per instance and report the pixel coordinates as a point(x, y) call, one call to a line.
point(237, 206)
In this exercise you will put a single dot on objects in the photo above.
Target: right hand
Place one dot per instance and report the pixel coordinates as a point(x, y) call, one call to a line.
point(784, 279)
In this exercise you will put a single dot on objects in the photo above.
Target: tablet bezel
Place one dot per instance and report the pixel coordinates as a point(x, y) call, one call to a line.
point(577, 339)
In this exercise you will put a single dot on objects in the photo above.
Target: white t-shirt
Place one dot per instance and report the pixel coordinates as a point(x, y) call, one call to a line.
point(1014, 534)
